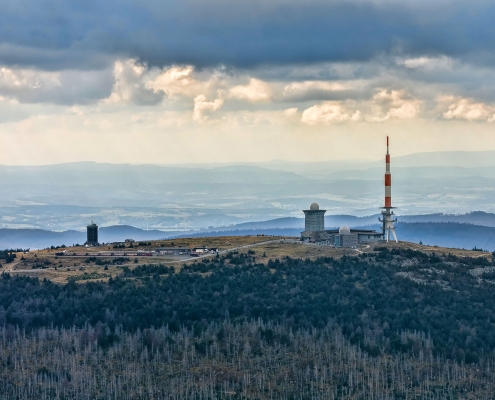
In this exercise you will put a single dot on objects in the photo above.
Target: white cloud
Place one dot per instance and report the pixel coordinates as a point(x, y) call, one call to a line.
point(299, 88)
point(27, 79)
point(183, 81)
point(384, 105)
point(61, 87)
point(329, 111)
point(387, 104)
point(203, 107)
point(466, 109)
point(290, 112)
point(178, 81)
point(427, 63)
point(256, 91)
point(129, 86)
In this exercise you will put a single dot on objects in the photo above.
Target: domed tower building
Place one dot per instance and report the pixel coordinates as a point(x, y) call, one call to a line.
point(314, 223)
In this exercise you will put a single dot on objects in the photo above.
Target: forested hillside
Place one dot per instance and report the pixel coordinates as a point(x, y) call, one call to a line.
point(231, 326)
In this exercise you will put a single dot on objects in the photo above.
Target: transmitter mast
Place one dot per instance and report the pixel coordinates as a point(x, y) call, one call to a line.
point(387, 213)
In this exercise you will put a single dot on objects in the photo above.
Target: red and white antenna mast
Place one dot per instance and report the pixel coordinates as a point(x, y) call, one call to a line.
point(387, 213)
point(388, 180)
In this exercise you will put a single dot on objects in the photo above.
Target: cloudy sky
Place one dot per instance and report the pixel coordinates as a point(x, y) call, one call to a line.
point(181, 81)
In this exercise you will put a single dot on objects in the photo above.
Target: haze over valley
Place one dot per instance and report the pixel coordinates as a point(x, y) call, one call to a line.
point(183, 198)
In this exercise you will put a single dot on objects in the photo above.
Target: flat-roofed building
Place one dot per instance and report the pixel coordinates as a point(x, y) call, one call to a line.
point(92, 234)
point(345, 237)
point(173, 251)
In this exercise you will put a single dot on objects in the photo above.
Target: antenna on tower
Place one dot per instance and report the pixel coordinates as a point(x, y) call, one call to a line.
point(387, 213)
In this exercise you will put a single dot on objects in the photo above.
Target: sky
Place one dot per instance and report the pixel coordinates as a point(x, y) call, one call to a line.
point(190, 81)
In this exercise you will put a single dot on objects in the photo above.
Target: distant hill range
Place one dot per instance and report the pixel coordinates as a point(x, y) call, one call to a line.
point(466, 159)
point(39, 239)
point(476, 229)
point(474, 218)
point(197, 197)
point(442, 234)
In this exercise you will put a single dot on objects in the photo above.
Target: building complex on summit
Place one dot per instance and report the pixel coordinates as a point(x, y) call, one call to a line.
point(314, 226)
point(315, 231)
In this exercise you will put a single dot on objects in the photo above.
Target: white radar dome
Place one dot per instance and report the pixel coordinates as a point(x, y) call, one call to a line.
point(344, 231)
point(314, 207)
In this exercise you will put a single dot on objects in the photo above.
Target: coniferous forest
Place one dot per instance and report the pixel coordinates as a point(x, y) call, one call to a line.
point(387, 324)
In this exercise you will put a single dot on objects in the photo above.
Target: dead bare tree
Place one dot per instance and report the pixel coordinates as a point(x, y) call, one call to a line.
point(255, 360)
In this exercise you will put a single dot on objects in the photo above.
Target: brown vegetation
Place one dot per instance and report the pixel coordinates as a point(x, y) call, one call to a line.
point(61, 269)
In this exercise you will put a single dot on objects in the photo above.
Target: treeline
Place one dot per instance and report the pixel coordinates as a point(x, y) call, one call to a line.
point(250, 360)
point(148, 270)
point(107, 261)
point(371, 298)
point(8, 255)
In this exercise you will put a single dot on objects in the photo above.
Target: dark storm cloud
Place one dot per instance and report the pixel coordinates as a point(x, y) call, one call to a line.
point(60, 34)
